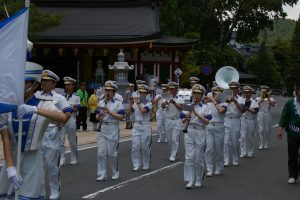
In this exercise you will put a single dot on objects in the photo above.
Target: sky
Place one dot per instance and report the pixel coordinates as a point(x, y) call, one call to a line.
point(293, 12)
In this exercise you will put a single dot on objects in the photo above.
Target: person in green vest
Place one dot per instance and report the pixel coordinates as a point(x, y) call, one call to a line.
point(290, 122)
point(82, 114)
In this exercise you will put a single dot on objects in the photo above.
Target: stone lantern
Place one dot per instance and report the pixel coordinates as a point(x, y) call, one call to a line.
point(121, 69)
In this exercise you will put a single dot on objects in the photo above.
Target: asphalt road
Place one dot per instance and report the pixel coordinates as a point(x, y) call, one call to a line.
point(263, 177)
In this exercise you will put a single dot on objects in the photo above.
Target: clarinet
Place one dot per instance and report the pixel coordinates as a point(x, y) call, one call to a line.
point(187, 123)
point(185, 130)
point(101, 120)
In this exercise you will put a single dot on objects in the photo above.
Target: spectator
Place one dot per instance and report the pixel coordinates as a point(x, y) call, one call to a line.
point(93, 103)
point(290, 121)
point(82, 114)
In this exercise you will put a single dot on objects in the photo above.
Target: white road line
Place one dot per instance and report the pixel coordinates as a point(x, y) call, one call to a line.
point(124, 183)
point(275, 125)
point(94, 146)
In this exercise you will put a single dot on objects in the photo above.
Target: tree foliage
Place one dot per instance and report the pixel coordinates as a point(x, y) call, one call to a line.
point(293, 72)
point(39, 21)
point(216, 19)
point(282, 30)
point(264, 66)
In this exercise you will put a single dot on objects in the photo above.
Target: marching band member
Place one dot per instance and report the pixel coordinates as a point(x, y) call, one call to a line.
point(194, 139)
point(248, 124)
point(50, 147)
point(37, 113)
point(193, 81)
point(215, 134)
point(117, 96)
point(126, 103)
point(161, 114)
point(141, 132)
point(112, 111)
point(70, 127)
point(214, 84)
point(264, 117)
point(232, 125)
point(173, 125)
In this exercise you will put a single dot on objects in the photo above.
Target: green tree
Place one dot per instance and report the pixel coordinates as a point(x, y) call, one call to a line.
point(294, 59)
point(281, 51)
point(216, 19)
point(264, 67)
point(38, 21)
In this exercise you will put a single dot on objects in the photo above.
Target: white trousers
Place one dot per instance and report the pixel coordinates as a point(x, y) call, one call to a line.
point(141, 145)
point(247, 136)
point(107, 152)
point(194, 142)
point(32, 173)
point(264, 122)
point(214, 147)
point(231, 140)
point(161, 126)
point(70, 130)
point(50, 150)
point(173, 134)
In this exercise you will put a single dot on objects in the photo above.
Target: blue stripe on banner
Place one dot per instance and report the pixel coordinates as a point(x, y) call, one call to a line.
point(4, 108)
point(33, 71)
point(8, 20)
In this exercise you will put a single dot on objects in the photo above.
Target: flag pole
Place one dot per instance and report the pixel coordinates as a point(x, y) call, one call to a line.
point(5, 10)
point(20, 133)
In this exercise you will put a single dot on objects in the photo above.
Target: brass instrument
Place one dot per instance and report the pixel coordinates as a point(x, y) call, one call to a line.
point(167, 102)
point(267, 95)
point(225, 75)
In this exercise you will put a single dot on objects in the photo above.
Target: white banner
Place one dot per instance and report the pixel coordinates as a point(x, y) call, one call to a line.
point(13, 40)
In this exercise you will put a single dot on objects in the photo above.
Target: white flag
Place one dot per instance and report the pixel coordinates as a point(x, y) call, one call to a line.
point(13, 43)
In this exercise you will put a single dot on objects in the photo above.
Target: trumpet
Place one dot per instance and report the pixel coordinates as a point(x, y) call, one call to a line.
point(166, 103)
point(228, 100)
point(266, 95)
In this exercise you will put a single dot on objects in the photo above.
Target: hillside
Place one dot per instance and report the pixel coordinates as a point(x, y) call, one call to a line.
point(282, 28)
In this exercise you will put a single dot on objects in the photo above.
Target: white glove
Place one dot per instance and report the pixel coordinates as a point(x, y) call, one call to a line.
point(15, 179)
point(26, 109)
point(3, 120)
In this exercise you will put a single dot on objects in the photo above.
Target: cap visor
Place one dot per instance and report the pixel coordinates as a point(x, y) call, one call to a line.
point(49, 78)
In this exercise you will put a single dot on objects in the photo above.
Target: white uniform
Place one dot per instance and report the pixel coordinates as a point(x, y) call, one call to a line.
point(31, 170)
point(161, 120)
point(70, 129)
point(215, 139)
point(194, 141)
point(141, 136)
point(232, 125)
point(248, 130)
point(108, 139)
point(173, 126)
point(50, 147)
point(118, 97)
point(264, 121)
